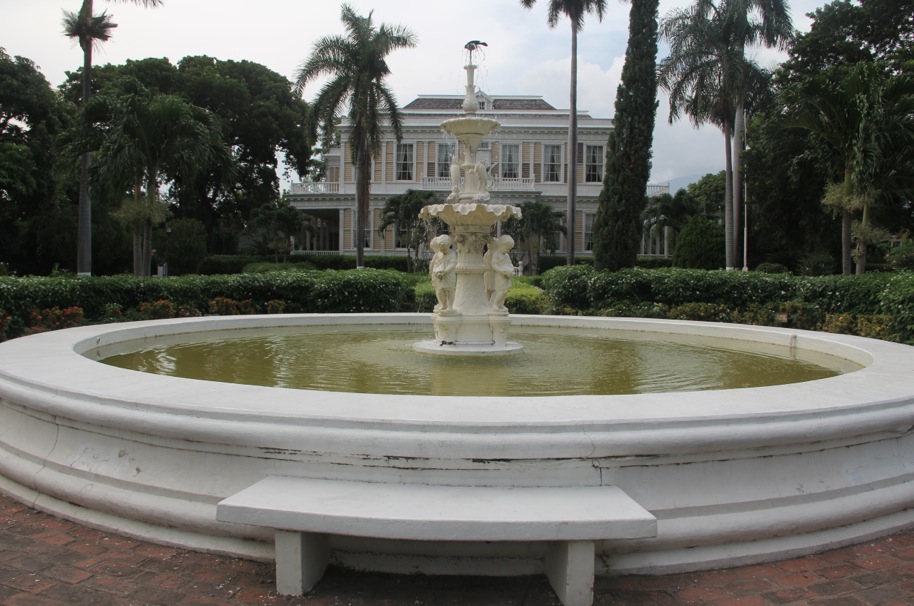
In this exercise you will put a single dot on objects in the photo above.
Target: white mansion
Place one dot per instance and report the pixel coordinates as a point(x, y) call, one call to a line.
point(526, 156)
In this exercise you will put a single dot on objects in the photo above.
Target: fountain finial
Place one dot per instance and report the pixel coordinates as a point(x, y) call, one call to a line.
point(470, 104)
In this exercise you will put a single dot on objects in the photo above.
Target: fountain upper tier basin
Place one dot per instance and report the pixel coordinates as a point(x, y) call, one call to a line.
point(469, 126)
point(732, 476)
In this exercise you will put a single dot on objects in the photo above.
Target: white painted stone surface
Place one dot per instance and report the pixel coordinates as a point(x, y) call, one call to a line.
point(733, 476)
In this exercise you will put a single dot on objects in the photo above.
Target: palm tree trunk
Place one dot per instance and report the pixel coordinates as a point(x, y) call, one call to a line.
point(84, 219)
point(572, 146)
point(363, 188)
point(846, 220)
point(739, 131)
point(861, 242)
point(728, 198)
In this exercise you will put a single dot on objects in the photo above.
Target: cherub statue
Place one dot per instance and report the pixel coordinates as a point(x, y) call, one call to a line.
point(501, 271)
point(443, 271)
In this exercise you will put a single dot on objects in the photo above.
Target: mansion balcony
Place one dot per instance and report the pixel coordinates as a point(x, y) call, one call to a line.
point(320, 187)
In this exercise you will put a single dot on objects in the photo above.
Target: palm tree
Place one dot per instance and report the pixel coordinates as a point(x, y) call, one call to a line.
point(536, 231)
point(574, 10)
point(357, 67)
point(148, 139)
point(709, 76)
point(90, 30)
point(402, 212)
point(862, 120)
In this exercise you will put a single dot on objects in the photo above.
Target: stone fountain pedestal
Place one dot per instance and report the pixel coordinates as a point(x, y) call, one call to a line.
point(472, 324)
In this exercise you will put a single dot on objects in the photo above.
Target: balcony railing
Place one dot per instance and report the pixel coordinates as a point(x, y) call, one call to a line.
point(315, 188)
point(497, 184)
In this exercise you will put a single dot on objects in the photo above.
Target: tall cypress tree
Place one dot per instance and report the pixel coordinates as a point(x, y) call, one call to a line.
point(617, 227)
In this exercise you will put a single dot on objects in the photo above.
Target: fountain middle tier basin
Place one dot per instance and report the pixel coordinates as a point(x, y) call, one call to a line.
point(732, 476)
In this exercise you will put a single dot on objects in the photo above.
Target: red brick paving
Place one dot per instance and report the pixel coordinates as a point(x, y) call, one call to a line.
point(46, 561)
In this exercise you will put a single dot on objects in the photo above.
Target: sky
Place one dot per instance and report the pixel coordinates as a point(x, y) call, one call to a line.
point(523, 56)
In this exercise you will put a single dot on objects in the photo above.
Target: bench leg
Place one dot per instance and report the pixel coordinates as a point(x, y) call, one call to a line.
point(301, 559)
point(570, 568)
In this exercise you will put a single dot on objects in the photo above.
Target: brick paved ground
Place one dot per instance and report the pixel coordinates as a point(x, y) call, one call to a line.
point(47, 561)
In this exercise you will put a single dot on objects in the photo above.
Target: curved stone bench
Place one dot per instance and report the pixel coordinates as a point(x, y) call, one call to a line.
point(304, 511)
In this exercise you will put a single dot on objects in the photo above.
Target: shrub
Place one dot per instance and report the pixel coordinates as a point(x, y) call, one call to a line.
point(706, 312)
point(54, 318)
point(772, 268)
point(654, 262)
point(901, 256)
point(264, 267)
point(568, 286)
point(643, 309)
point(223, 306)
point(817, 263)
point(700, 245)
point(7, 327)
point(523, 299)
point(425, 297)
point(897, 301)
point(628, 285)
point(156, 310)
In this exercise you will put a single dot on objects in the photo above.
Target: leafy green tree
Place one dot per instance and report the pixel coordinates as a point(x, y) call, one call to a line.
point(787, 221)
point(181, 244)
point(575, 11)
point(147, 139)
point(90, 30)
point(357, 67)
point(30, 119)
point(258, 114)
point(700, 245)
point(617, 226)
point(411, 232)
point(844, 33)
point(278, 225)
point(709, 77)
point(709, 194)
point(667, 212)
point(537, 230)
point(863, 120)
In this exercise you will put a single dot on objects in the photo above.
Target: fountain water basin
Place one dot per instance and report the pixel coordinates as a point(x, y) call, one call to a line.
point(733, 476)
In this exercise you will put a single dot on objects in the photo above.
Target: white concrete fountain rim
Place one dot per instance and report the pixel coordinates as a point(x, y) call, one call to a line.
point(735, 476)
point(53, 360)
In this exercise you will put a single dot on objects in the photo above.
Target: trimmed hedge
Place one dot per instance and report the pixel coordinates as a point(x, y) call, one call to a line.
point(103, 298)
point(874, 304)
point(236, 264)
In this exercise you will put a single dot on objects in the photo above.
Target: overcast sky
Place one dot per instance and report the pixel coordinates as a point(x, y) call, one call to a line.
point(523, 56)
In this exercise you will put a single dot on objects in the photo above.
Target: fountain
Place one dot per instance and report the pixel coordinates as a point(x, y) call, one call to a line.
point(470, 317)
point(732, 476)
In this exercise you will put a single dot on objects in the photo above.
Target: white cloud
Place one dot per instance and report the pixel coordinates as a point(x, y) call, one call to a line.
point(524, 56)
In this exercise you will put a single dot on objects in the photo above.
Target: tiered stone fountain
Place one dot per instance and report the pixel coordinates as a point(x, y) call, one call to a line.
point(470, 317)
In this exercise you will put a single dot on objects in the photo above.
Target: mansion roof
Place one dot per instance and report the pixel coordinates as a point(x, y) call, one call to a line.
point(455, 103)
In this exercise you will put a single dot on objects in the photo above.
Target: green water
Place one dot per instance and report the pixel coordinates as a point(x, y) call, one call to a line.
point(370, 359)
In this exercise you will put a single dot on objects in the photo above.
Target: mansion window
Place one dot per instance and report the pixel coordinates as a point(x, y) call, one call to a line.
point(593, 163)
point(552, 163)
point(510, 155)
point(444, 161)
point(332, 167)
point(404, 168)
